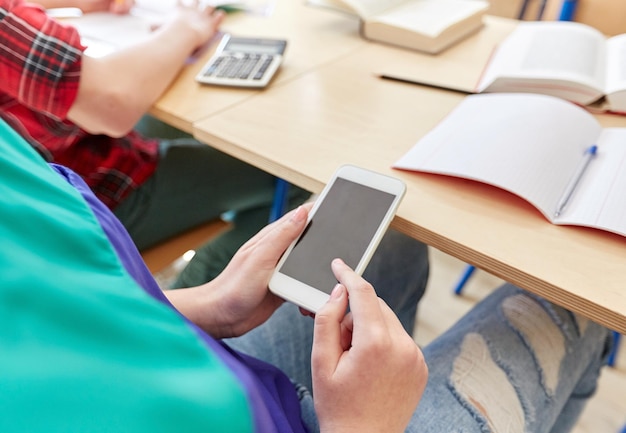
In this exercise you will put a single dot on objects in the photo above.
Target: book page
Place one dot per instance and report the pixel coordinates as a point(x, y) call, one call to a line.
point(526, 144)
point(544, 57)
point(598, 200)
point(431, 17)
point(338, 5)
point(616, 73)
point(104, 32)
point(363, 8)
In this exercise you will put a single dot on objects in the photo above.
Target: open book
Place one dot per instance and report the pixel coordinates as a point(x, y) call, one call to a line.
point(569, 60)
point(533, 146)
point(425, 25)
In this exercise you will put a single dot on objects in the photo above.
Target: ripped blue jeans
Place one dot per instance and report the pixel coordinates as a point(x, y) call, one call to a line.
point(515, 363)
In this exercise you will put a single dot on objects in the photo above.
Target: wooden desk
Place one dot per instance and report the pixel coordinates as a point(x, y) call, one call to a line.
point(328, 107)
point(340, 112)
point(460, 66)
point(315, 36)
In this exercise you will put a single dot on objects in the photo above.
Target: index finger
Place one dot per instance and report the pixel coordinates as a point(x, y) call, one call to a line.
point(272, 226)
point(364, 303)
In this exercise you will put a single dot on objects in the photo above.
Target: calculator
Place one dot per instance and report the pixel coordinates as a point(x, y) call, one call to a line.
point(243, 62)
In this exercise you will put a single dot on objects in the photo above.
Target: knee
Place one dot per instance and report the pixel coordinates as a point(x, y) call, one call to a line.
point(529, 351)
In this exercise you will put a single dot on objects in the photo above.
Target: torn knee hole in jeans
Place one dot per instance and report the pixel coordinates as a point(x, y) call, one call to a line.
point(484, 387)
point(542, 335)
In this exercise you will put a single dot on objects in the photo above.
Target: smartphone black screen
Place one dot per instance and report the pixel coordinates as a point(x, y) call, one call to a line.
point(342, 227)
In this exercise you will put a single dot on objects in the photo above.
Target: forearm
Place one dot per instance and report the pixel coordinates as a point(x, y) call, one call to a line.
point(118, 89)
point(238, 299)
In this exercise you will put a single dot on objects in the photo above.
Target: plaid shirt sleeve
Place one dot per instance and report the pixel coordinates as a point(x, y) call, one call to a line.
point(40, 66)
point(40, 58)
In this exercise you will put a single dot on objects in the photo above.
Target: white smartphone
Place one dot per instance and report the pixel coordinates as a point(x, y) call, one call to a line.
point(347, 221)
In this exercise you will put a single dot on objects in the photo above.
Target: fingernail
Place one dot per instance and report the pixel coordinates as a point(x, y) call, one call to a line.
point(337, 292)
point(337, 261)
point(298, 216)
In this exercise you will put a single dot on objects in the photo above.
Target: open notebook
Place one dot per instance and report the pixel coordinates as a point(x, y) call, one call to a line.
point(533, 146)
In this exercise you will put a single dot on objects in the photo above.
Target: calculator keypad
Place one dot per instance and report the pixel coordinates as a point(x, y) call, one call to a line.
point(247, 69)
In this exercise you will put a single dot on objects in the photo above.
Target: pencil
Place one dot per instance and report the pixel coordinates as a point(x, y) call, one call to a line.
point(426, 84)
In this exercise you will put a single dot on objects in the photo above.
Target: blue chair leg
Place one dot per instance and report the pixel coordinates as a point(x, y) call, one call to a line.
point(280, 200)
point(568, 10)
point(469, 270)
point(613, 354)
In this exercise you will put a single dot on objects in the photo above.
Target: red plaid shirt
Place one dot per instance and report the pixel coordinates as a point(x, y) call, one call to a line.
point(40, 64)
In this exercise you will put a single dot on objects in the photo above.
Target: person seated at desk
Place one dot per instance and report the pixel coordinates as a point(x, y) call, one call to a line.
point(92, 344)
point(157, 188)
point(90, 114)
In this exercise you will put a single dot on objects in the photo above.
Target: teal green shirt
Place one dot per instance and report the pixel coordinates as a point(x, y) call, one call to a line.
point(88, 341)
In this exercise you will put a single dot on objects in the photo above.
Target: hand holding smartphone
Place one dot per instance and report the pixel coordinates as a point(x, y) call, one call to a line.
point(347, 221)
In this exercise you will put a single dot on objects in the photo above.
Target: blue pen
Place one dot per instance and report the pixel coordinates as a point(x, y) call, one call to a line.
point(573, 183)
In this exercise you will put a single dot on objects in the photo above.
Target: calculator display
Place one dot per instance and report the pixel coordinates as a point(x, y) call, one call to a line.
point(264, 48)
